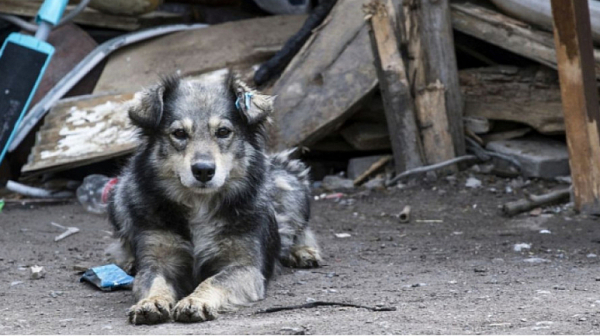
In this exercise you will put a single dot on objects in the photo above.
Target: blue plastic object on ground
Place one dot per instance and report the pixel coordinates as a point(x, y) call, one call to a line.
point(108, 278)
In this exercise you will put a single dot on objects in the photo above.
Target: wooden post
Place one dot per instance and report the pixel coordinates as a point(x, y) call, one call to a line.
point(397, 99)
point(430, 103)
point(573, 39)
point(428, 32)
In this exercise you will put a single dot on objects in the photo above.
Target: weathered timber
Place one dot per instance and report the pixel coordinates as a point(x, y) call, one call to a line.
point(526, 95)
point(534, 201)
point(573, 37)
point(431, 58)
point(506, 135)
point(94, 18)
point(510, 34)
point(367, 136)
point(196, 51)
point(325, 82)
point(395, 90)
point(430, 104)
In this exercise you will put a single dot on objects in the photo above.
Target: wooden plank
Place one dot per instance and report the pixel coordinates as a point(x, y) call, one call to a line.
point(574, 53)
point(431, 58)
point(526, 95)
point(94, 18)
point(326, 81)
point(367, 136)
point(430, 104)
point(510, 34)
point(197, 51)
point(393, 82)
point(81, 130)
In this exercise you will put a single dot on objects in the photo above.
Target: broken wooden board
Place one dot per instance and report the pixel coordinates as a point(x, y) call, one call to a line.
point(367, 137)
point(508, 33)
point(526, 95)
point(94, 18)
point(86, 129)
point(197, 51)
point(433, 124)
point(326, 80)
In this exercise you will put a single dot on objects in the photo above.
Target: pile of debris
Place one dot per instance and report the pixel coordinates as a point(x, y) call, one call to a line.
point(368, 88)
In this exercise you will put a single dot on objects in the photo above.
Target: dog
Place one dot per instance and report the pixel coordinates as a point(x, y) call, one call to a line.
point(203, 215)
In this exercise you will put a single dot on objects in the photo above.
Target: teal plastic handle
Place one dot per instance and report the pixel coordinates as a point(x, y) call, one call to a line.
point(51, 11)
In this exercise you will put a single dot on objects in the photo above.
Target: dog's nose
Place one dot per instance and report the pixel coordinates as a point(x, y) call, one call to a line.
point(203, 171)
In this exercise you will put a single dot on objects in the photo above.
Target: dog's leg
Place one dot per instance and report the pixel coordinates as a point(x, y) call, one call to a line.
point(305, 252)
point(234, 285)
point(163, 261)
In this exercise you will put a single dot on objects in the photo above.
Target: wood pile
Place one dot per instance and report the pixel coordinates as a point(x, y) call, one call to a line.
point(406, 78)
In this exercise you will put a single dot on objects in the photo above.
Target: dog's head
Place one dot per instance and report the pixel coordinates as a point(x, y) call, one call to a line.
point(202, 135)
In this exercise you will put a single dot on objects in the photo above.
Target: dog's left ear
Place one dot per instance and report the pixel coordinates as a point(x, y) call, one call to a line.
point(254, 106)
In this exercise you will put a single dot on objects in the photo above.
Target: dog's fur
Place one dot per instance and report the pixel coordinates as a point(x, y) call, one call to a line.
point(200, 247)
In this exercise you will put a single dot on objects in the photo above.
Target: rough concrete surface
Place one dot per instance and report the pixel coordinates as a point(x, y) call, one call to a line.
point(539, 157)
point(453, 269)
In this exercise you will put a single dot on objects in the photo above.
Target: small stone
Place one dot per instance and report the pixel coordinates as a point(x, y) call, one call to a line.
point(342, 235)
point(521, 246)
point(334, 182)
point(545, 232)
point(591, 255)
point(309, 300)
point(473, 183)
point(559, 287)
point(293, 331)
point(582, 319)
point(15, 283)
point(377, 183)
point(37, 272)
point(536, 260)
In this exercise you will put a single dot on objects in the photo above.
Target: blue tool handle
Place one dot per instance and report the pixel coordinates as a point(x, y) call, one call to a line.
point(51, 11)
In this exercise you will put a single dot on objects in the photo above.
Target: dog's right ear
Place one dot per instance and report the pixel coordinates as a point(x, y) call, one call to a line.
point(149, 108)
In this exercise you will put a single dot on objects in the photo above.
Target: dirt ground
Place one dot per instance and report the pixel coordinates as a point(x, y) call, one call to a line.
point(452, 269)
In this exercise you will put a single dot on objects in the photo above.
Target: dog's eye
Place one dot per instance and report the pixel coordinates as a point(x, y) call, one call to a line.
point(223, 132)
point(180, 134)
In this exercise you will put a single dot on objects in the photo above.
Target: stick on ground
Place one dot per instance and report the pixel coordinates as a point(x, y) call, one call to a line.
point(534, 201)
point(323, 303)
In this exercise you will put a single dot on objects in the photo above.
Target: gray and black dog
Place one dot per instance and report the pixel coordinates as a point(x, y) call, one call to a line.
point(203, 215)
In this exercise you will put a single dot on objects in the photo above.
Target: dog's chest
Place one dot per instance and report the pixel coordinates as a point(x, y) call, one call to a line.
point(206, 231)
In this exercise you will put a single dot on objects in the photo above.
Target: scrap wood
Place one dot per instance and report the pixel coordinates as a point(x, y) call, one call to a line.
point(529, 95)
point(506, 135)
point(399, 106)
point(249, 41)
point(326, 81)
point(433, 75)
point(507, 33)
point(534, 201)
point(91, 17)
point(374, 167)
point(321, 304)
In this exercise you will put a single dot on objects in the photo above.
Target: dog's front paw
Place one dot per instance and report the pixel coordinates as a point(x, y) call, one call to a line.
point(193, 309)
point(150, 311)
point(305, 257)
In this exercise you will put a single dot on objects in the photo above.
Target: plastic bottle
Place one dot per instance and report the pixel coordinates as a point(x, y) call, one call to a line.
point(94, 191)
